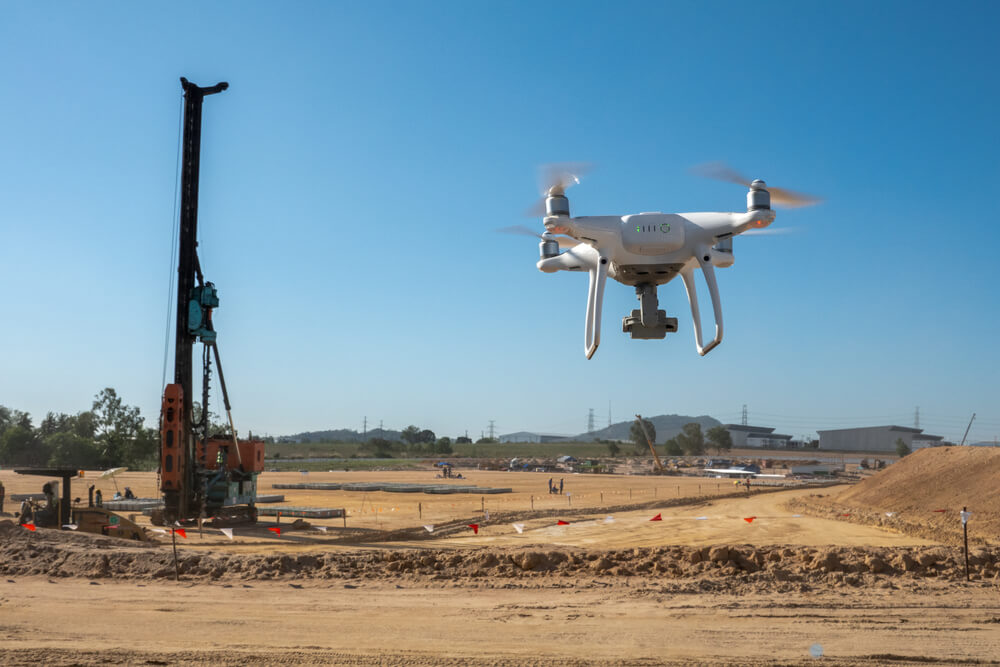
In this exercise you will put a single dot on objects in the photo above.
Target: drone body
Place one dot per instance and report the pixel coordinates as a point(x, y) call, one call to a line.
point(646, 250)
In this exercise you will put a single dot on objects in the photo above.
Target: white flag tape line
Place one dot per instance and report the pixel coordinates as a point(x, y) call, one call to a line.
point(429, 528)
point(609, 519)
point(890, 514)
point(71, 526)
point(701, 518)
point(519, 527)
point(228, 532)
point(321, 528)
point(162, 531)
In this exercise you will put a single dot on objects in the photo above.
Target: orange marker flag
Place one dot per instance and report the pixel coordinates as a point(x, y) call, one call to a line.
point(275, 529)
point(940, 510)
point(560, 522)
point(474, 527)
point(845, 515)
point(29, 526)
point(657, 518)
point(749, 519)
point(181, 532)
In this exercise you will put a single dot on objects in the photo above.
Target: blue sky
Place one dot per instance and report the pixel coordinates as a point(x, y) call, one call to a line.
point(355, 172)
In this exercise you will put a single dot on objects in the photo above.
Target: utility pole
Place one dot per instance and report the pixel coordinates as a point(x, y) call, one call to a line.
point(609, 414)
point(364, 433)
point(590, 421)
point(743, 420)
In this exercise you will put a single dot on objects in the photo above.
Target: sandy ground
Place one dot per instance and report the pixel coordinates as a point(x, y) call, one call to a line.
point(74, 622)
point(640, 592)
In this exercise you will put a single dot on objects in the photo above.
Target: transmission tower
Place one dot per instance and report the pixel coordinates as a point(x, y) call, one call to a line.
point(609, 414)
point(491, 429)
point(364, 432)
point(916, 417)
point(590, 421)
point(743, 420)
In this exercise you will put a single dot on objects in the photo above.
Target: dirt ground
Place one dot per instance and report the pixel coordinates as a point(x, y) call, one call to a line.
point(702, 585)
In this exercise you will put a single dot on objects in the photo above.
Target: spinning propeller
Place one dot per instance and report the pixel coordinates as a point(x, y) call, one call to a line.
point(563, 241)
point(720, 171)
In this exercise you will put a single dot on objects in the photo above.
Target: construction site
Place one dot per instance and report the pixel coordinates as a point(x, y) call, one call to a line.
point(634, 569)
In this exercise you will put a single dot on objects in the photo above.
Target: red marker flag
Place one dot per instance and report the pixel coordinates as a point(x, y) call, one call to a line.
point(29, 526)
point(749, 519)
point(657, 517)
point(845, 515)
point(560, 522)
point(940, 510)
point(474, 527)
point(181, 532)
point(275, 529)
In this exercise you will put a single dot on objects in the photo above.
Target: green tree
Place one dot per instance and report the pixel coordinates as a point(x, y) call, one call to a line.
point(720, 438)
point(67, 449)
point(118, 428)
point(411, 434)
point(426, 435)
point(637, 435)
point(613, 448)
point(673, 448)
point(22, 446)
point(691, 440)
point(381, 448)
point(902, 449)
point(443, 446)
point(463, 440)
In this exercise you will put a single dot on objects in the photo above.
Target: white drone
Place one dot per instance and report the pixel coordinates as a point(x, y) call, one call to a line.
point(645, 250)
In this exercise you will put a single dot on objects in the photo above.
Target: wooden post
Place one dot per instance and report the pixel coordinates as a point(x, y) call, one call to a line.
point(344, 511)
point(630, 494)
point(965, 532)
point(482, 504)
point(602, 497)
point(177, 569)
point(678, 489)
point(655, 490)
point(532, 503)
point(420, 510)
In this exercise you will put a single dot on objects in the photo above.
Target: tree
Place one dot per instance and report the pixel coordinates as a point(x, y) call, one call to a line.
point(443, 446)
point(382, 448)
point(613, 448)
point(119, 428)
point(673, 448)
point(720, 438)
point(22, 446)
point(691, 440)
point(902, 449)
point(411, 434)
point(637, 436)
point(426, 436)
point(69, 450)
point(463, 440)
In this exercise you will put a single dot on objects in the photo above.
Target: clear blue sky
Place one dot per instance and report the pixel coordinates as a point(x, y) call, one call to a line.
point(354, 175)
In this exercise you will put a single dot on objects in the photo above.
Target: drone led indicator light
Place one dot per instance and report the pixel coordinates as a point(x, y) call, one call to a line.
point(637, 228)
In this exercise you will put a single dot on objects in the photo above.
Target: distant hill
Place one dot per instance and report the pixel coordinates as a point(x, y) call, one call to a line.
point(340, 435)
point(667, 426)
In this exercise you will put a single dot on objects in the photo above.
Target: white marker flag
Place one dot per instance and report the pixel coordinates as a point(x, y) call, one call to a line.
point(162, 531)
point(321, 528)
point(890, 514)
point(609, 519)
point(486, 515)
point(228, 532)
point(519, 527)
point(701, 518)
point(429, 529)
point(965, 517)
point(71, 526)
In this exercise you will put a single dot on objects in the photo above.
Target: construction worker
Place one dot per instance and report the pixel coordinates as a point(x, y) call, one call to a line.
point(99, 498)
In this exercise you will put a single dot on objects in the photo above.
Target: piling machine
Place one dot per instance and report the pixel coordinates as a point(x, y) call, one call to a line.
point(202, 476)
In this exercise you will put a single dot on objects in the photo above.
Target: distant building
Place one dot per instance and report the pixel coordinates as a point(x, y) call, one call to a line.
point(874, 438)
point(756, 436)
point(528, 436)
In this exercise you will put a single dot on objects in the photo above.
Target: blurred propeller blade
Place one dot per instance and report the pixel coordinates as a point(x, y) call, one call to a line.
point(720, 171)
point(564, 241)
point(790, 198)
point(557, 177)
point(770, 231)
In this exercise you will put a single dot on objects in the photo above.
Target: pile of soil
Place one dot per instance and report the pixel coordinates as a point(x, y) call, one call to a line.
point(734, 568)
point(908, 495)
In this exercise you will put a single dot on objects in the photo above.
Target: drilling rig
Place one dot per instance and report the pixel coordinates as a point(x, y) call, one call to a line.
point(201, 476)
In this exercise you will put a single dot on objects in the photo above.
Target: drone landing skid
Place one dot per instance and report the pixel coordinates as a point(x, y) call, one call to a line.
point(648, 323)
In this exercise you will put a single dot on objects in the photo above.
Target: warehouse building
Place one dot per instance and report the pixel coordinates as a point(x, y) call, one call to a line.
point(756, 436)
point(873, 438)
point(528, 436)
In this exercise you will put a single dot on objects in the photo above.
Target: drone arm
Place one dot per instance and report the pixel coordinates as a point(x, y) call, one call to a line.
point(701, 252)
point(595, 300)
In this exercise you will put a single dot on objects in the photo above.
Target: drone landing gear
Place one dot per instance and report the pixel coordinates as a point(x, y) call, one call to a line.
point(648, 323)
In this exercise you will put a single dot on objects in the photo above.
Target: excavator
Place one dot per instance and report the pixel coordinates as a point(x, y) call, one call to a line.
point(203, 475)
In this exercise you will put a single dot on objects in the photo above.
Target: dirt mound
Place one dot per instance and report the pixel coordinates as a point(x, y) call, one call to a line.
point(937, 478)
point(684, 569)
